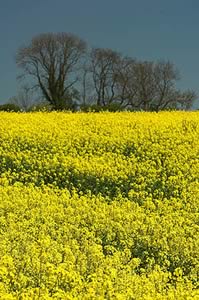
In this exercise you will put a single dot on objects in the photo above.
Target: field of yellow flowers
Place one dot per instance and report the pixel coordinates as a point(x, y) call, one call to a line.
point(99, 206)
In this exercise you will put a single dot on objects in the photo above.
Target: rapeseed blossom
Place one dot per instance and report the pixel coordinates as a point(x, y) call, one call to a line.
point(99, 205)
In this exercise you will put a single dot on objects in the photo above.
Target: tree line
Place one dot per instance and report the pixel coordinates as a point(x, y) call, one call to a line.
point(65, 73)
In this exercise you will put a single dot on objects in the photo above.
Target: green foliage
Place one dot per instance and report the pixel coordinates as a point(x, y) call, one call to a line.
point(10, 107)
point(113, 107)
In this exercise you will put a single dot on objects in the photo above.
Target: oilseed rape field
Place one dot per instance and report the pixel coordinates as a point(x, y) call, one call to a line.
point(99, 206)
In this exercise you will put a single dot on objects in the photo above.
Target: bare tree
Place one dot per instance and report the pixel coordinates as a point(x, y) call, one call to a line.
point(185, 99)
point(144, 84)
point(155, 87)
point(86, 86)
point(52, 61)
point(165, 75)
point(125, 82)
point(103, 65)
point(25, 98)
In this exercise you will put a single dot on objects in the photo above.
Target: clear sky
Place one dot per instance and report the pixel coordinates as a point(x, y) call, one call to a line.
point(144, 29)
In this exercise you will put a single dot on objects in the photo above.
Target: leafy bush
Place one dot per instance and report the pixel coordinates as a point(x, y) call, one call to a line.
point(10, 107)
point(113, 107)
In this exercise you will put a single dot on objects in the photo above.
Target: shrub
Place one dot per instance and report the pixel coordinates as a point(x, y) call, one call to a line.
point(9, 107)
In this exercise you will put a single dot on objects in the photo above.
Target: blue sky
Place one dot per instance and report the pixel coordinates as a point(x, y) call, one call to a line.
point(145, 29)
